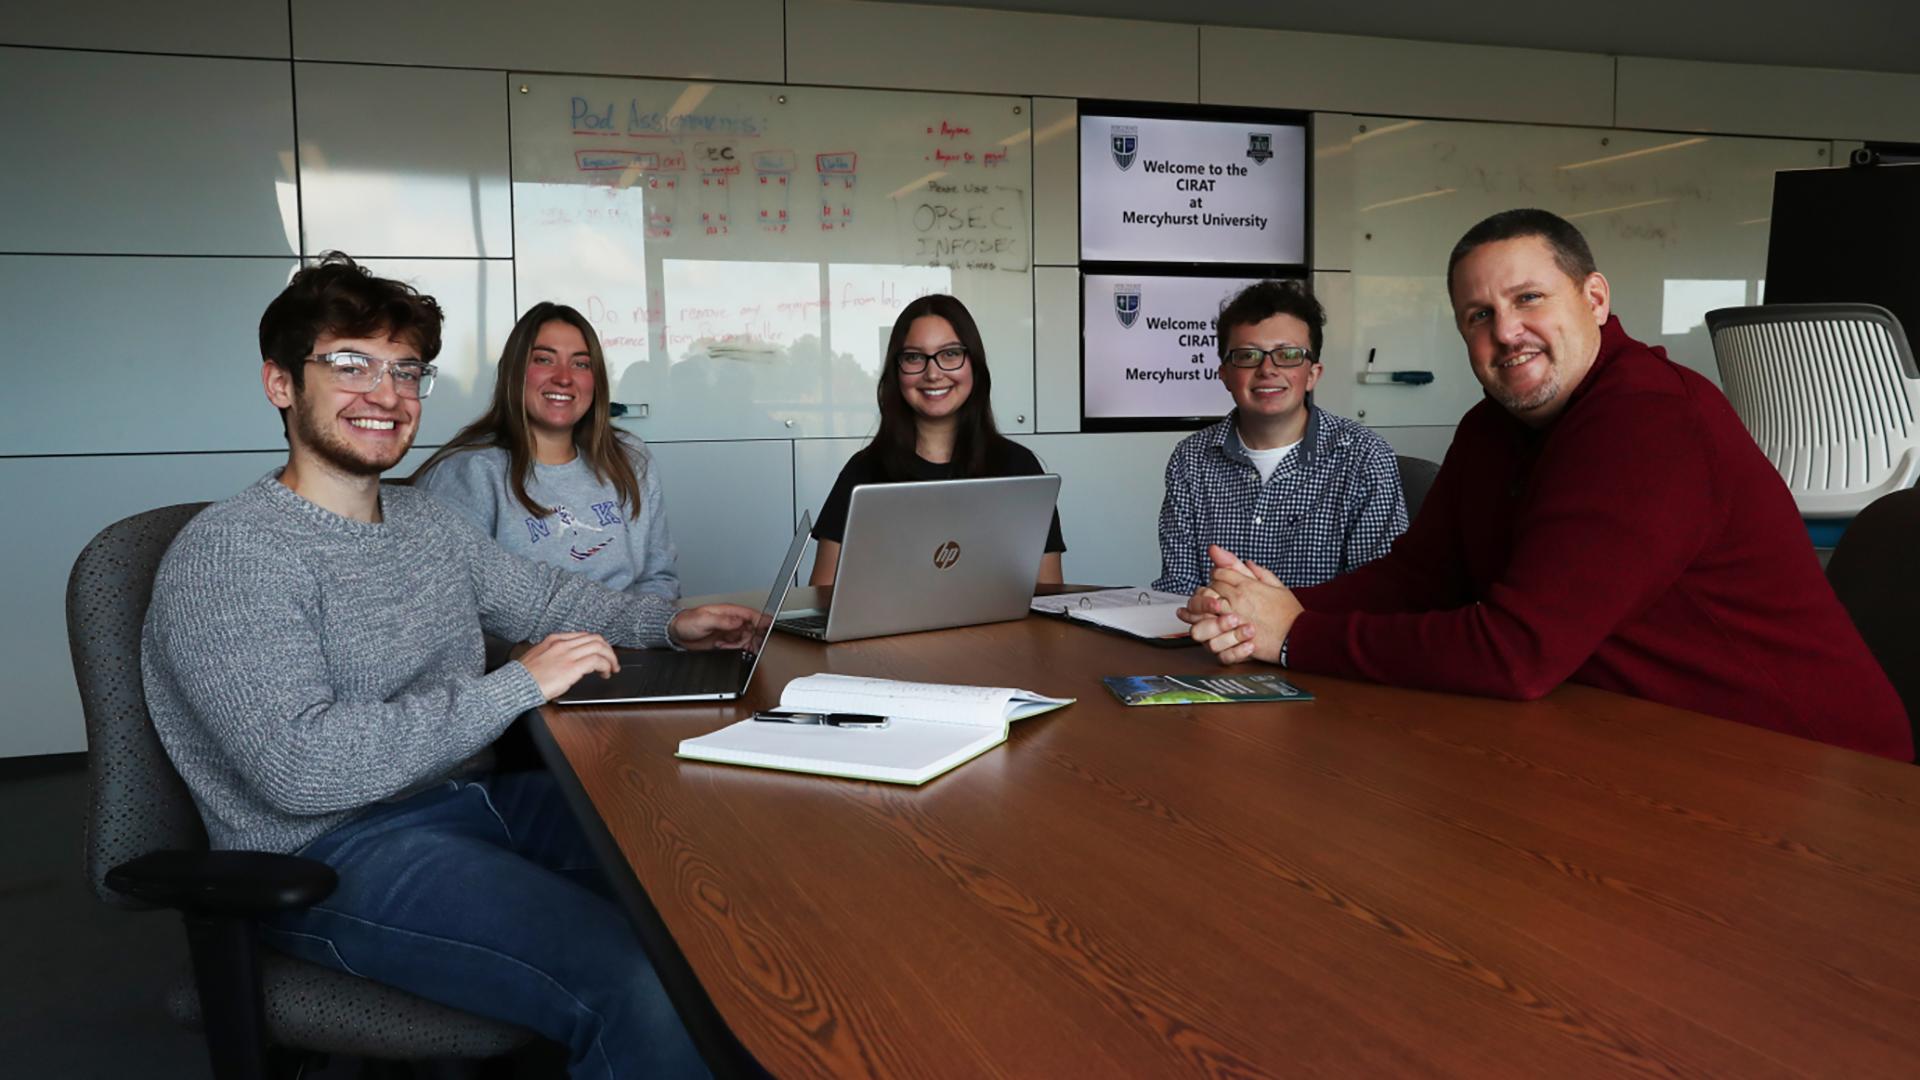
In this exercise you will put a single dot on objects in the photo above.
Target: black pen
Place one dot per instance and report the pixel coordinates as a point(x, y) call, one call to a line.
point(827, 719)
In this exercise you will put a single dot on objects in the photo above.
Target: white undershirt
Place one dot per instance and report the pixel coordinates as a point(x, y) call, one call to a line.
point(1268, 460)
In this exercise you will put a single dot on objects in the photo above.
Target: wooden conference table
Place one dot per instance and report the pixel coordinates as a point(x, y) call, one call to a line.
point(1380, 882)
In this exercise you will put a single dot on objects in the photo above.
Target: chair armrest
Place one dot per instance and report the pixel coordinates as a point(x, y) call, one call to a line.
point(243, 883)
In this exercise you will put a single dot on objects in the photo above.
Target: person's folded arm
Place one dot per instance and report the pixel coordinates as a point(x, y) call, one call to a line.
point(255, 674)
point(1621, 504)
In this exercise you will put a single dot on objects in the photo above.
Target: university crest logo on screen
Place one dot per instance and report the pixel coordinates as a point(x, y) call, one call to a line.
point(1126, 304)
point(1124, 141)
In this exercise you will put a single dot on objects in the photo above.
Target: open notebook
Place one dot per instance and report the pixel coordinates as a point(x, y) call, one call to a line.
point(933, 728)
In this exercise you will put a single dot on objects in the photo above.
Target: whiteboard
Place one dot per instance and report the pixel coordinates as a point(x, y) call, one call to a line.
point(743, 249)
point(1677, 223)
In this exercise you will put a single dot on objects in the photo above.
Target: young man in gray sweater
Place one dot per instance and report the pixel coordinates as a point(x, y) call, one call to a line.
point(314, 665)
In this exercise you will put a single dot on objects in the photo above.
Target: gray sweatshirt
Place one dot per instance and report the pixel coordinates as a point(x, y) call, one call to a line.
point(587, 530)
point(300, 665)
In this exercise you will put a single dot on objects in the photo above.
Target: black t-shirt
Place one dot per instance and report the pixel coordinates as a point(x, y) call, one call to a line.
point(864, 468)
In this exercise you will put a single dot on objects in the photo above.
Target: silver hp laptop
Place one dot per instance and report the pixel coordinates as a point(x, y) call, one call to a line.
point(659, 675)
point(932, 554)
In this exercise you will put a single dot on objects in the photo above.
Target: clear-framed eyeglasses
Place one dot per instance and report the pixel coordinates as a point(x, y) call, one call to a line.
point(1286, 356)
point(359, 373)
point(951, 358)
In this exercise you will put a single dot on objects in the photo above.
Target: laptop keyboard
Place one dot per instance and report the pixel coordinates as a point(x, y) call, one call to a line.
point(692, 673)
point(810, 625)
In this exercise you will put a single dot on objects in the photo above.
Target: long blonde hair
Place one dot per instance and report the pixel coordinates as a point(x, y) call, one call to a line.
point(504, 424)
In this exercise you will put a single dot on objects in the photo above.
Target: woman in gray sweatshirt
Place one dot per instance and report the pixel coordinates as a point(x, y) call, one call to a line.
point(545, 472)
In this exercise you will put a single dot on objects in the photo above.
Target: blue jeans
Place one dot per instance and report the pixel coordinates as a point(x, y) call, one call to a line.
point(484, 896)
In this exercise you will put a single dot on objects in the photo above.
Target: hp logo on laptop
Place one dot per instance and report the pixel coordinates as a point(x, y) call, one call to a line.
point(946, 555)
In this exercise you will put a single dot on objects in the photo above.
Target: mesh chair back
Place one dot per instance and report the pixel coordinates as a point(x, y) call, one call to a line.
point(1416, 477)
point(137, 803)
point(1830, 392)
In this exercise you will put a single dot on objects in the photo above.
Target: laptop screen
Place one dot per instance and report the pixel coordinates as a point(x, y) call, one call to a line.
point(778, 594)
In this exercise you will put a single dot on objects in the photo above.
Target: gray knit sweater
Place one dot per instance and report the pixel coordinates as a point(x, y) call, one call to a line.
point(300, 665)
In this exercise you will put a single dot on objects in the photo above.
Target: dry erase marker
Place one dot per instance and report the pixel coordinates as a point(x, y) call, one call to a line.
point(829, 719)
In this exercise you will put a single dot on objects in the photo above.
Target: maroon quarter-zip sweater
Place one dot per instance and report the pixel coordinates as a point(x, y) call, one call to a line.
point(1640, 543)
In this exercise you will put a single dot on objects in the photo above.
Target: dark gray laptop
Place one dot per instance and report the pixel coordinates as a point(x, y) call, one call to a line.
point(660, 675)
point(932, 554)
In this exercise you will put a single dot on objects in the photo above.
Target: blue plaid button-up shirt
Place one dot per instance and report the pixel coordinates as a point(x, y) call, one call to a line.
point(1331, 505)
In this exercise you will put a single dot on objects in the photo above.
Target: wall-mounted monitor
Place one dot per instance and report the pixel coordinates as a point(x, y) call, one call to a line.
point(1151, 359)
point(1847, 235)
point(1209, 186)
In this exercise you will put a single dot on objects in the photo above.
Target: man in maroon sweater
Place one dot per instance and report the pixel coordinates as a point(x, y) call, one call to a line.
point(1602, 518)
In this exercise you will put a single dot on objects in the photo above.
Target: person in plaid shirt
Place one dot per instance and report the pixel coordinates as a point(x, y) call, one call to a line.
point(1280, 481)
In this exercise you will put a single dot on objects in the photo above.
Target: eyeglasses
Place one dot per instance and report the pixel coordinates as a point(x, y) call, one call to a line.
point(359, 373)
point(1286, 356)
point(949, 359)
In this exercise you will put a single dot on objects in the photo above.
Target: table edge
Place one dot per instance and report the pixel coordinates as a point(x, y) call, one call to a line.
point(725, 1055)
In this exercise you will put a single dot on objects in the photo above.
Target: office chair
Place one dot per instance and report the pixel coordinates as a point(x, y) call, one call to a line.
point(1830, 393)
point(1872, 572)
point(146, 847)
point(1416, 479)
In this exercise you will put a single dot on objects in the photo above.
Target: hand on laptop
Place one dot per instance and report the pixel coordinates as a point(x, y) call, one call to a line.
point(1245, 612)
point(716, 626)
point(560, 660)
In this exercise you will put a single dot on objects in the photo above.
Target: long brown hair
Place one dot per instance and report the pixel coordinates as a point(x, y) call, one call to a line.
point(504, 424)
point(978, 447)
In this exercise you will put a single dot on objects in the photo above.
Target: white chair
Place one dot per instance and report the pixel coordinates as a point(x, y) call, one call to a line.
point(1830, 392)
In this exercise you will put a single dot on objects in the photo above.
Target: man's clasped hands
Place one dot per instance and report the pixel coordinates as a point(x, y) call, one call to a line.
point(1243, 612)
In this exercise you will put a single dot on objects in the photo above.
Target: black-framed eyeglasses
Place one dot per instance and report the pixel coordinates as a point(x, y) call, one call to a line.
point(950, 358)
point(1286, 356)
point(358, 373)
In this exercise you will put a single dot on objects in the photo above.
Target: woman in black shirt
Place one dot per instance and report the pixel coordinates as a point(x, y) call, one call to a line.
point(936, 423)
